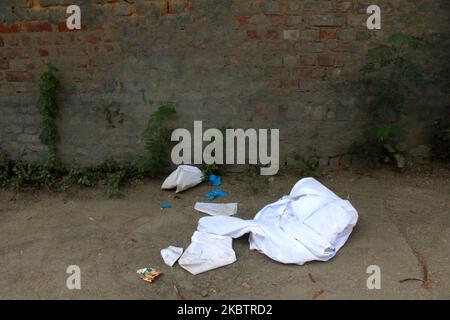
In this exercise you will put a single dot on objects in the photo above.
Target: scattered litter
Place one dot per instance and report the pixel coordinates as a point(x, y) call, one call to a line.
point(166, 206)
point(171, 254)
point(312, 223)
point(311, 278)
point(206, 252)
point(149, 274)
point(92, 219)
point(215, 180)
point(132, 240)
point(213, 194)
point(318, 293)
point(217, 209)
point(183, 178)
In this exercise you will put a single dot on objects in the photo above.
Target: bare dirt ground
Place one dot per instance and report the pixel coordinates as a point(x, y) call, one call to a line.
point(403, 218)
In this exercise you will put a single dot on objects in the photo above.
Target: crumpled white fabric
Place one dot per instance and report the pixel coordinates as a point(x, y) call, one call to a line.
point(206, 252)
point(311, 223)
point(171, 254)
point(183, 178)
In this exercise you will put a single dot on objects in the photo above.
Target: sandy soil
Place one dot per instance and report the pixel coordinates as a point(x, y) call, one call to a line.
point(403, 218)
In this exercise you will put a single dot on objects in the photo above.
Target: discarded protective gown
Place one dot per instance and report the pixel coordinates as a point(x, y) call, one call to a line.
point(206, 252)
point(311, 223)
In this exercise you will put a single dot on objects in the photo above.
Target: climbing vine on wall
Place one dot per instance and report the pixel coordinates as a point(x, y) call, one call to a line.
point(48, 109)
point(392, 75)
point(157, 141)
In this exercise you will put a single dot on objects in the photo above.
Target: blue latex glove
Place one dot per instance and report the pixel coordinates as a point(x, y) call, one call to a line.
point(215, 180)
point(216, 193)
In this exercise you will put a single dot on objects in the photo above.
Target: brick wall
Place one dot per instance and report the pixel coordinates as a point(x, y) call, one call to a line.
point(284, 64)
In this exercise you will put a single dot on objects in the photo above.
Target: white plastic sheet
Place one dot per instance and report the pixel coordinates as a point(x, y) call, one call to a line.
point(206, 252)
point(171, 254)
point(183, 178)
point(217, 209)
point(312, 223)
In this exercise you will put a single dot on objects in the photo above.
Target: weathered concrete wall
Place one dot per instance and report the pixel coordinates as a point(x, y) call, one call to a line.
point(231, 63)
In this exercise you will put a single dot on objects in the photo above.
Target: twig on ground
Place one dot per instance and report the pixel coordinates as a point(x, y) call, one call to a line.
point(318, 293)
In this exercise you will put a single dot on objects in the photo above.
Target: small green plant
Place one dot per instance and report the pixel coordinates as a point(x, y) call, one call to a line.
point(304, 167)
point(208, 169)
point(48, 108)
point(80, 177)
point(157, 142)
point(115, 179)
point(391, 75)
point(217, 169)
point(254, 181)
point(17, 175)
point(117, 174)
point(440, 140)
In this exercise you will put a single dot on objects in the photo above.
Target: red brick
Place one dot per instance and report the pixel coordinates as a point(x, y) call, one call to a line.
point(93, 39)
point(4, 28)
point(279, 20)
point(343, 5)
point(43, 53)
point(18, 76)
point(109, 47)
point(326, 60)
point(277, 72)
point(272, 34)
point(253, 34)
point(11, 53)
point(189, 6)
point(289, 84)
point(311, 73)
point(38, 26)
point(26, 40)
point(242, 20)
point(62, 27)
point(308, 60)
point(260, 111)
point(61, 40)
point(44, 41)
point(166, 9)
point(12, 41)
point(72, 51)
point(16, 27)
point(4, 64)
point(327, 34)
